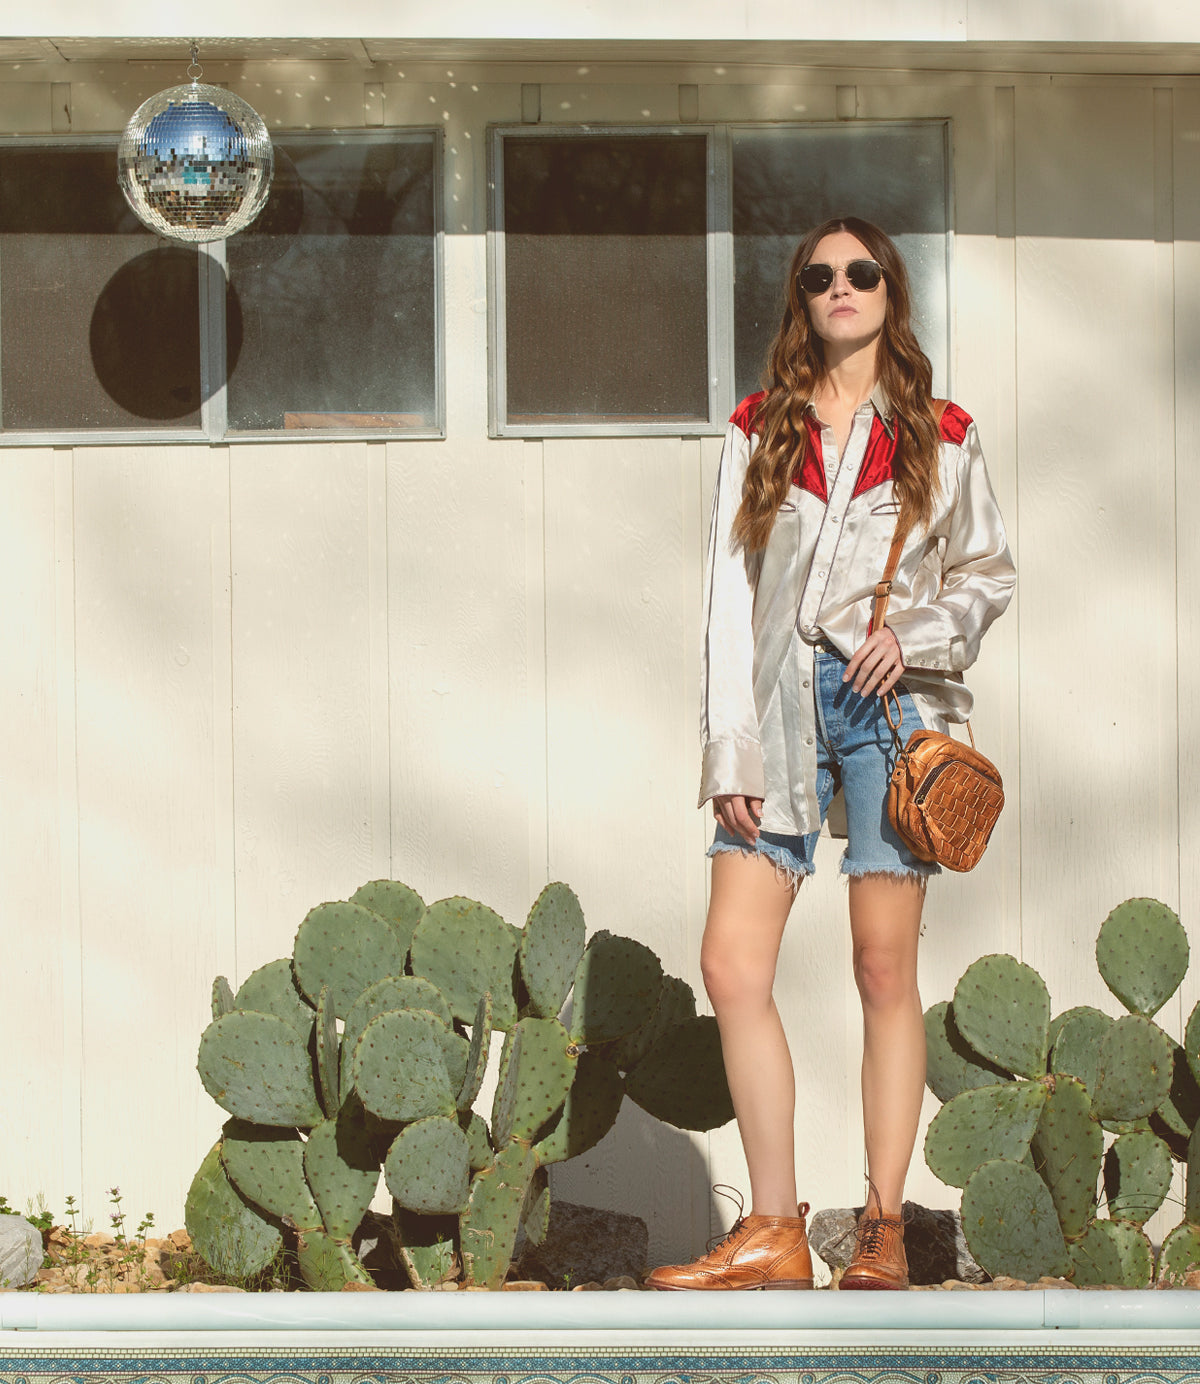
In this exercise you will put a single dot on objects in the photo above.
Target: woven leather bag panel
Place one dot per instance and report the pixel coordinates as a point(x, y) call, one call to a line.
point(944, 800)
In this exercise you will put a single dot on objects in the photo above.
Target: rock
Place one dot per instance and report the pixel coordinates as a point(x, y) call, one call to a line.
point(181, 1240)
point(933, 1242)
point(1003, 1284)
point(210, 1288)
point(584, 1245)
point(623, 1283)
point(21, 1251)
point(355, 1287)
point(588, 1288)
point(524, 1285)
point(1192, 1279)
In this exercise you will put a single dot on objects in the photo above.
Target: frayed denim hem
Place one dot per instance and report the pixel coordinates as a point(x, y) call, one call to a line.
point(788, 870)
point(918, 870)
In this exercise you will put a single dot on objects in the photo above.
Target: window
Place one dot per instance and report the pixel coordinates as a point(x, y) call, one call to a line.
point(325, 314)
point(637, 275)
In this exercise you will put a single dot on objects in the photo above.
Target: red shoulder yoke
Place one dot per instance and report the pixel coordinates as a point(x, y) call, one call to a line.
point(747, 411)
point(955, 422)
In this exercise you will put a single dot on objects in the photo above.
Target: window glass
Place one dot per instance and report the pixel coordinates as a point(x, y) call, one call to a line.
point(788, 179)
point(99, 320)
point(605, 278)
point(334, 289)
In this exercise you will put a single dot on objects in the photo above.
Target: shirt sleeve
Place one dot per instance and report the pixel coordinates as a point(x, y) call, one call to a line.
point(729, 734)
point(978, 576)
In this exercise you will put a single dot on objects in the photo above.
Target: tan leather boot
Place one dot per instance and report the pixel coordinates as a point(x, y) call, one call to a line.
point(879, 1260)
point(758, 1252)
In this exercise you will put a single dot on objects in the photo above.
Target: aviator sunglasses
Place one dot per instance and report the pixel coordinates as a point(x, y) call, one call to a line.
point(862, 274)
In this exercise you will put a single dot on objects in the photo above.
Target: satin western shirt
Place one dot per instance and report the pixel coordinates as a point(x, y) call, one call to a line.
point(816, 578)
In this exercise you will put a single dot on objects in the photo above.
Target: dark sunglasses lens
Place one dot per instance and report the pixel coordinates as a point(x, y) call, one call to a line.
point(816, 278)
point(863, 275)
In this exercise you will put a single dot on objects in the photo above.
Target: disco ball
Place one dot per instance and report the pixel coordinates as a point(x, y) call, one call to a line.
point(195, 163)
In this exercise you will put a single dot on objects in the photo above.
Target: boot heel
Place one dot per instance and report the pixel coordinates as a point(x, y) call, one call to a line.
point(794, 1285)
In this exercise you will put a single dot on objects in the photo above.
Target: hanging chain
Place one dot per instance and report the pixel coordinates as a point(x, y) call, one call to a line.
point(195, 71)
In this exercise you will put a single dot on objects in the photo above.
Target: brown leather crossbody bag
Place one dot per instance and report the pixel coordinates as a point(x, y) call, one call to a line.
point(944, 797)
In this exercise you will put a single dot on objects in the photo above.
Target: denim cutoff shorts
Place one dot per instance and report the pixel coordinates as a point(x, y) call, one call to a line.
point(854, 741)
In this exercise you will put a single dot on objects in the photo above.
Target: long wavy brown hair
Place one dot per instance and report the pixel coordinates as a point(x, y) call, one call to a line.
point(796, 366)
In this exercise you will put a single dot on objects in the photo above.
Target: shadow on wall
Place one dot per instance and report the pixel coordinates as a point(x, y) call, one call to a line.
point(644, 1152)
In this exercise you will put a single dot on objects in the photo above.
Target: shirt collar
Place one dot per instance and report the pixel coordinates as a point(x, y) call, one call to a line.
point(879, 401)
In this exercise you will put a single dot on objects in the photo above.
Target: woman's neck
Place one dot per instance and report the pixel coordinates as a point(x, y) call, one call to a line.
point(849, 382)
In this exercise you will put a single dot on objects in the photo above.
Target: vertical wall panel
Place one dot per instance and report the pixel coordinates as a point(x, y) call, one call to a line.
point(36, 923)
point(461, 729)
point(618, 600)
point(152, 936)
point(1098, 659)
point(306, 683)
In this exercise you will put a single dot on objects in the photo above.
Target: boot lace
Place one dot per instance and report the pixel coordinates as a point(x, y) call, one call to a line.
point(722, 1237)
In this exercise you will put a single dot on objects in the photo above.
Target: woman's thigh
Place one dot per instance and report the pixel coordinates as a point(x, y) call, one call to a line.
point(748, 908)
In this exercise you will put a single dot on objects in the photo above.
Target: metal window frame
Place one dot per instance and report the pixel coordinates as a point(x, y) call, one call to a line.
point(720, 266)
point(211, 267)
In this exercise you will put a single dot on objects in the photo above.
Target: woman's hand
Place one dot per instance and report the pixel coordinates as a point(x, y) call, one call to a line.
point(739, 815)
point(877, 666)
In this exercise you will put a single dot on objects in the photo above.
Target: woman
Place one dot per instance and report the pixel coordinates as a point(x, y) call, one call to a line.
point(817, 471)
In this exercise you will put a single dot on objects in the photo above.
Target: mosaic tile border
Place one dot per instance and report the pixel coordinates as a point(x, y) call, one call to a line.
point(1034, 1364)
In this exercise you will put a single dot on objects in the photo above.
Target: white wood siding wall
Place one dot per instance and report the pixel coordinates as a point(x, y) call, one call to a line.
point(241, 680)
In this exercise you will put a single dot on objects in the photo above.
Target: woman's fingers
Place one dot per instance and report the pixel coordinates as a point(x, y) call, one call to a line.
point(738, 815)
point(877, 665)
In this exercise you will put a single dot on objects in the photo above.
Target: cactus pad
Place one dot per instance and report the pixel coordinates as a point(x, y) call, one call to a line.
point(676, 1004)
point(257, 1067)
point(1142, 953)
point(1137, 1176)
point(617, 985)
point(535, 1215)
point(1002, 1008)
point(1180, 1255)
point(1116, 1253)
point(682, 1078)
point(1191, 1192)
point(267, 1165)
point(543, 1061)
point(400, 1067)
point(392, 992)
point(326, 1264)
point(1134, 1078)
point(328, 1055)
point(1009, 1222)
point(551, 948)
point(982, 1124)
point(398, 905)
point(346, 947)
point(588, 1113)
point(428, 1167)
point(477, 1056)
point(342, 1171)
point(488, 1227)
point(1191, 1041)
point(1077, 1045)
point(222, 997)
point(1067, 1147)
point(466, 949)
point(952, 1064)
point(272, 990)
point(227, 1232)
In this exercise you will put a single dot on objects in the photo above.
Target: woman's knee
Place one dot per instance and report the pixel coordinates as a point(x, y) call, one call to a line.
point(885, 976)
point(732, 978)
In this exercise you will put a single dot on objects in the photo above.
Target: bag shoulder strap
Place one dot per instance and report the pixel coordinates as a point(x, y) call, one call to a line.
point(883, 588)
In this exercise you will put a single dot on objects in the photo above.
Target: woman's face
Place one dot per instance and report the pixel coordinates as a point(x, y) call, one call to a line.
point(845, 318)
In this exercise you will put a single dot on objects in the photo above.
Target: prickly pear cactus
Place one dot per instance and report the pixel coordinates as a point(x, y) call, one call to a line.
point(1102, 1075)
point(1142, 954)
point(390, 1089)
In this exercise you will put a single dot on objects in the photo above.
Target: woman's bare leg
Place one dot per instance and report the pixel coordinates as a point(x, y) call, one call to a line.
point(747, 910)
point(885, 923)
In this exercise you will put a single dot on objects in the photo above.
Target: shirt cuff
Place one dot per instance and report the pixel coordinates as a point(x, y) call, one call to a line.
point(732, 766)
point(923, 639)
